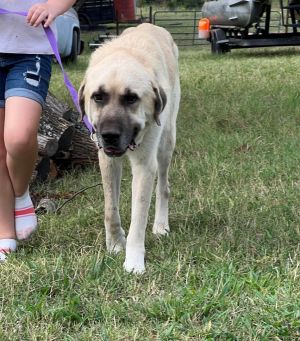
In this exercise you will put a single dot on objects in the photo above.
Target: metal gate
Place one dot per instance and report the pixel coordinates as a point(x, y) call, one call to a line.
point(183, 25)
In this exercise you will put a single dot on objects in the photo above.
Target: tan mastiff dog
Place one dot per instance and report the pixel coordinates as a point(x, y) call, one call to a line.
point(131, 95)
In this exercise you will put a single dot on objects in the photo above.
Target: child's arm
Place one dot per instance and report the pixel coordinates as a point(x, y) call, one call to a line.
point(47, 12)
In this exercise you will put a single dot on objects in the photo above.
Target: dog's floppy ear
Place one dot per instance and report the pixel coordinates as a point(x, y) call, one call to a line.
point(159, 102)
point(81, 100)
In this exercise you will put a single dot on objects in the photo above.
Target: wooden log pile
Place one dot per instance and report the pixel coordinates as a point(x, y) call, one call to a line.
point(63, 142)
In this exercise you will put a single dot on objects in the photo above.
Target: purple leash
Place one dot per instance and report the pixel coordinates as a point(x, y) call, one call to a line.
point(51, 37)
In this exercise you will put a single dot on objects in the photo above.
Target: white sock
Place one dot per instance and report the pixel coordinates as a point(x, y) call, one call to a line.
point(25, 217)
point(6, 247)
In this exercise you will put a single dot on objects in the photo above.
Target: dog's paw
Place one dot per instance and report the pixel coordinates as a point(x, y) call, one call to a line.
point(115, 244)
point(134, 267)
point(161, 229)
point(134, 261)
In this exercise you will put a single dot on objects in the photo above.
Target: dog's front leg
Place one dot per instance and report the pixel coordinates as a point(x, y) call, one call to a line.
point(111, 171)
point(142, 186)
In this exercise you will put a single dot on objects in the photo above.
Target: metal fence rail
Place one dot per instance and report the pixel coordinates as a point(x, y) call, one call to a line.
point(275, 21)
point(183, 25)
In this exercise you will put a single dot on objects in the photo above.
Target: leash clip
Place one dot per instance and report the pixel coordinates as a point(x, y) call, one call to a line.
point(94, 138)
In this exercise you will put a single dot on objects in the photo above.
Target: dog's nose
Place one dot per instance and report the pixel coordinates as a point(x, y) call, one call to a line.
point(111, 137)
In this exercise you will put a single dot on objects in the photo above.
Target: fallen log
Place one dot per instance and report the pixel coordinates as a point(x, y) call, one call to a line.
point(83, 149)
point(48, 146)
point(54, 126)
point(53, 104)
point(64, 143)
point(61, 109)
point(42, 169)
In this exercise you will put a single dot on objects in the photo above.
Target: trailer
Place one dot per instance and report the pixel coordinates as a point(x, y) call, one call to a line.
point(94, 13)
point(233, 24)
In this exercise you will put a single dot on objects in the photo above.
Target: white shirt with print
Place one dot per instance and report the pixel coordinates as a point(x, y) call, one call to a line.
point(16, 36)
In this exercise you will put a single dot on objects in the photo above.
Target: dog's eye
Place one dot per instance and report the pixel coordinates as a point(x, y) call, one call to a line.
point(130, 98)
point(99, 98)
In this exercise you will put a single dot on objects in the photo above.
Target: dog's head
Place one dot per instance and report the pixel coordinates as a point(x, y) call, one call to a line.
point(121, 99)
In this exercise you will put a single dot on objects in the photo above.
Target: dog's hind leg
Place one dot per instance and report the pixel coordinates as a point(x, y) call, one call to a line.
point(166, 148)
point(111, 171)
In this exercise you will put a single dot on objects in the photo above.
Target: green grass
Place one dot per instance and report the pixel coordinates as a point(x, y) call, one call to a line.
point(229, 269)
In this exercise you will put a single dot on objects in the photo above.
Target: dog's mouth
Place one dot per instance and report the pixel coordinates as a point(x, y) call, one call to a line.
point(111, 151)
point(113, 146)
point(115, 151)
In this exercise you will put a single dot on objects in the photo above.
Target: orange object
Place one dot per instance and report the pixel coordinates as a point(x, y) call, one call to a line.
point(204, 28)
point(125, 9)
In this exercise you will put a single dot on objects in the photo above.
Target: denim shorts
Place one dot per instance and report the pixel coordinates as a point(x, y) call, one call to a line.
point(24, 75)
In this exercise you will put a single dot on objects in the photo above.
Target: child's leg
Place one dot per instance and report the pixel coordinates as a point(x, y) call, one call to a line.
point(7, 198)
point(7, 201)
point(26, 88)
point(22, 117)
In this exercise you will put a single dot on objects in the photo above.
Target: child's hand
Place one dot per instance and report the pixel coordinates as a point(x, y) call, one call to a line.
point(41, 13)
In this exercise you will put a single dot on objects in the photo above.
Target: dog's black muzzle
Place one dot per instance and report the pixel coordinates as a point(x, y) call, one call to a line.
point(113, 144)
point(115, 139)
